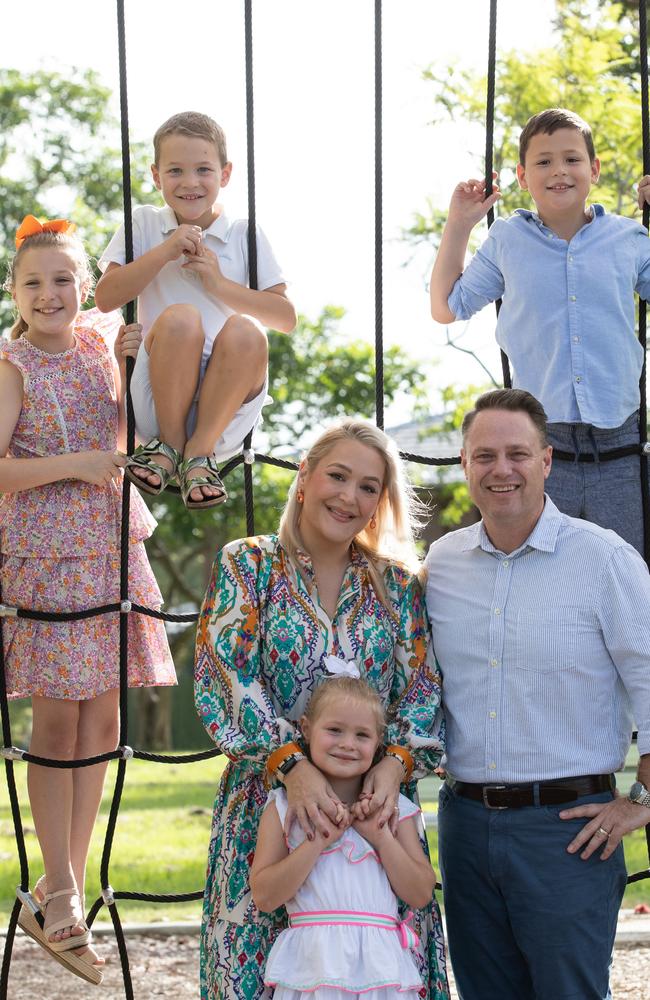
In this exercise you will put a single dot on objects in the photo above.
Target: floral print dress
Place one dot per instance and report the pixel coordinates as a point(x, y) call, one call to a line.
point(262, 638)
point(60, 542)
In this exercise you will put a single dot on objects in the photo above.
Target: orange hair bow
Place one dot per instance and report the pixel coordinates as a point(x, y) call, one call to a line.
point(30, 226)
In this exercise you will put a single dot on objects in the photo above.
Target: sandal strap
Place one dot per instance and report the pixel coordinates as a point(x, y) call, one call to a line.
point(61, 892)
point(199, 462)
point(70, 921)
point(212, 479)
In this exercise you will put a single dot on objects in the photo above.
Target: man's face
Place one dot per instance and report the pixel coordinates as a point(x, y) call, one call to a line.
point(505, 465)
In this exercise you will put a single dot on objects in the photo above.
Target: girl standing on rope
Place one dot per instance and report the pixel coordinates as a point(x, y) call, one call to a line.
point(60, 510)
point(335, 582)
point(345, 939)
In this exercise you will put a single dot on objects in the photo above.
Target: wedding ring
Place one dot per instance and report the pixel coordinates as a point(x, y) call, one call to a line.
point(605, 833)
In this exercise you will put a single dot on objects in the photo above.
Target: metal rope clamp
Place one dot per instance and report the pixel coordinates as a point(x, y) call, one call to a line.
point(6, 611)
point(127, 753)
point(28, 900)
point(108, 895)
point(249, 456)
point(645, 448)
point(12, 753)
point(125, 607)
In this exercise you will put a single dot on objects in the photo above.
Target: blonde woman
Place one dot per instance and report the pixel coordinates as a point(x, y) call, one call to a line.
point(337, 581)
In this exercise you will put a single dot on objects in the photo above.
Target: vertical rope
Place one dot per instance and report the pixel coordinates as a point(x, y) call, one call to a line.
point(252, 231)
point(379, 246)
point(643, 408)
point(489, 148)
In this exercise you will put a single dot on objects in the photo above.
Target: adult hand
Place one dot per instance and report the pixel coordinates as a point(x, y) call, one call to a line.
point(643, 191)
point(469, 203)
point(609, 822)
point(186, 240)
point(380, 792)
point(313, 802)
point(97, 467)
point(127, 342)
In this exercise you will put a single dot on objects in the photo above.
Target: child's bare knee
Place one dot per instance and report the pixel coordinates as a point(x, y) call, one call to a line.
point(245, 338)
point(180, 321)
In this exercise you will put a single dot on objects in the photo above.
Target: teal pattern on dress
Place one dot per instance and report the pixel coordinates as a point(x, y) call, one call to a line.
point(261, 640)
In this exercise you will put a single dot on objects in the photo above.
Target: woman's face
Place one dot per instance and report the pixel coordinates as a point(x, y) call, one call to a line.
point(341, 493)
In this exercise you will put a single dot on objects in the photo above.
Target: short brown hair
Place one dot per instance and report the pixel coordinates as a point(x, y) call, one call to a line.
point(195, 125)
point(549, 121)
point(515, 400)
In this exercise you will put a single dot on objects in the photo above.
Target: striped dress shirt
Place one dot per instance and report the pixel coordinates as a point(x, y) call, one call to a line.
point(545, 651)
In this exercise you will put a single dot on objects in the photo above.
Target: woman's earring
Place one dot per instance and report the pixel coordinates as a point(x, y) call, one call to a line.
point(300, 496)
point(373, 522)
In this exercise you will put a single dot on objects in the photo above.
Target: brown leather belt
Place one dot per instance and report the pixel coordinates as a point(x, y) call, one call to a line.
point(543, 793)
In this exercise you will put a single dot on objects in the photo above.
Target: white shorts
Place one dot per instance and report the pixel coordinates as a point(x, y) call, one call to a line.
point(247, 418)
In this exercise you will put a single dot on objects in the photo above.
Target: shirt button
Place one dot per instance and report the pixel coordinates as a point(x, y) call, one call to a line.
point(505, 563)
point(578, 378)
point(570, 259)
point(576, 340)
point(493, 715)
point(573, 298)
point(492, 766)
point(497, 611)
point(494, 663)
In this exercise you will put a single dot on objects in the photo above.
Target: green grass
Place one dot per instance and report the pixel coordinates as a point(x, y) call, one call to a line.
point(162, 838)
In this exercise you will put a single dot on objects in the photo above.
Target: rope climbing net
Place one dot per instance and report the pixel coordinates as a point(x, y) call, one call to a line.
point(109, 897)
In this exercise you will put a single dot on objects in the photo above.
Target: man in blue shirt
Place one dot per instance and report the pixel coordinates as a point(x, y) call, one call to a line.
point(566, 275)
point(540, 625)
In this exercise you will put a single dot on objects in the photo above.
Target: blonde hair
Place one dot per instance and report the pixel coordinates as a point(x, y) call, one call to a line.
point(398, 516)
point(196, 126)
point(347, 687)
point(62, 241)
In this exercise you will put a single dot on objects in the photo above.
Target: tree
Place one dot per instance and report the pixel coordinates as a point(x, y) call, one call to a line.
point(59, 154)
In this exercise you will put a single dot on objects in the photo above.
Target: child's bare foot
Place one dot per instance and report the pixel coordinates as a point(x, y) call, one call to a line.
point(152, 466)
point(200, 483)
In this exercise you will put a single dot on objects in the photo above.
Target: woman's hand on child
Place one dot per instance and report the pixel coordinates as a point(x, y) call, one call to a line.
point(97, 467)
point(380, 792)
point(643, 192)
point(312, 802)
point(184, 240)
point(469, 203)
point(128, 341)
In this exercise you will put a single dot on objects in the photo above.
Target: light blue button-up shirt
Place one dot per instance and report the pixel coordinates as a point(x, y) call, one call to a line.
point(567, 322)
point(545, 651)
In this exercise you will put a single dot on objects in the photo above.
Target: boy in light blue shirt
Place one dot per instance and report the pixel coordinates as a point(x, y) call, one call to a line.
point(566, 275)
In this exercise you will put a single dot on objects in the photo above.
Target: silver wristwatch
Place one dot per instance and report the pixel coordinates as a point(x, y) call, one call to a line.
point(639, 793)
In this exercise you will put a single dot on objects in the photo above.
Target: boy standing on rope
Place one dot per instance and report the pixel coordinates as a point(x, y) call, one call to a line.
point(200, 378)
point(566, 275)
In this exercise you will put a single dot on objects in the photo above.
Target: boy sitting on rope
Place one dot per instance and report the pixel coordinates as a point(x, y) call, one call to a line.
point(567, 274)
point(200, 378)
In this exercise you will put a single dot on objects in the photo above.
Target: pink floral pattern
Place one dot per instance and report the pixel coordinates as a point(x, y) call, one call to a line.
point(60, 542)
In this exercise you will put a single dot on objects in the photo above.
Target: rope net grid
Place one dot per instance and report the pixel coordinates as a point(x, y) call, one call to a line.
point(123, 753)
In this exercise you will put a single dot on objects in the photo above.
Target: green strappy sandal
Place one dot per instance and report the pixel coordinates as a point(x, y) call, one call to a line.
point(143, 458)
point(212, 478)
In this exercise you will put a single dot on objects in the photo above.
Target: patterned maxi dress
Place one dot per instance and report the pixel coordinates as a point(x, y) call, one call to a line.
point(261, 641)
point(60, 542)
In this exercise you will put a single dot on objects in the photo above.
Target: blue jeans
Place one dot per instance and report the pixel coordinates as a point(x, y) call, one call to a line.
point(607, 493)
point(526, 920)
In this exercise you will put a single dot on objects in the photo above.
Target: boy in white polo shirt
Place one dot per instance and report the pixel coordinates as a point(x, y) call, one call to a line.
point(200, 378)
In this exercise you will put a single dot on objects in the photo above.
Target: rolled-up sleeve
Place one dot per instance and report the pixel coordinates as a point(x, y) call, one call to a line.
point(232, 703)
point(481, 282)
point(415, 714)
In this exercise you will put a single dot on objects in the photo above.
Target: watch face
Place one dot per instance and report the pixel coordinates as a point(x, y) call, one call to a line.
point(638, 791)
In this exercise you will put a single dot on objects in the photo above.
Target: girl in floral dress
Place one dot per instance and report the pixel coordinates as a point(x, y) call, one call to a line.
point(345, 940)
point(336, 581)
point(60, 510)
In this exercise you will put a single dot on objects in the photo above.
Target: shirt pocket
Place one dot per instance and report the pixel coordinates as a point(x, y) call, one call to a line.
point(546, 641)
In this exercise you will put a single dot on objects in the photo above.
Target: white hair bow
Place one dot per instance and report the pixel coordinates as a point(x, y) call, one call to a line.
point(346, 668)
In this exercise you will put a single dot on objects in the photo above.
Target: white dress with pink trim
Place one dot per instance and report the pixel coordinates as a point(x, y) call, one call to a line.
point(345, 937)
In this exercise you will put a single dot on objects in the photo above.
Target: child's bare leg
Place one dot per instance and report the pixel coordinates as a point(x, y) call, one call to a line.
point(54, 729)
point(174, 345)
point(235, 375)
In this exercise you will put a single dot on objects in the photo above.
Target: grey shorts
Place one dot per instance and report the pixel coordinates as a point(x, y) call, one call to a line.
point(247, 418)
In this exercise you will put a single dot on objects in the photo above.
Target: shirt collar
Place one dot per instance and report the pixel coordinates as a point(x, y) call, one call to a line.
point(543, 537)
point(594, 210)
point(221, 227)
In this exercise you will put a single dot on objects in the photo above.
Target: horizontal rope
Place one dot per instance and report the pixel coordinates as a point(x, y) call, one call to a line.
point(121, 753)
point(8, 611)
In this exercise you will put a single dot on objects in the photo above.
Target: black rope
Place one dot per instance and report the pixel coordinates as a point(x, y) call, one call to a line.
point(252, 235)
point(489, 150)
point(379, 238)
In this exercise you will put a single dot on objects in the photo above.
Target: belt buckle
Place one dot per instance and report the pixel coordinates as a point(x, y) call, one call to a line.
point(489, 788)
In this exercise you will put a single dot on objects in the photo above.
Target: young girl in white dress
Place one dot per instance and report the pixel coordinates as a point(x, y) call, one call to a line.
point(345, 937)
